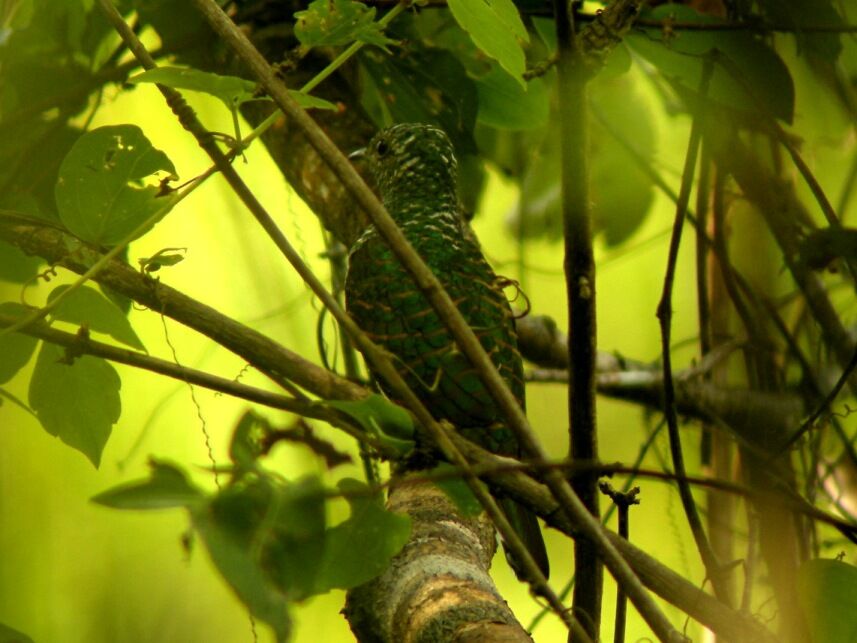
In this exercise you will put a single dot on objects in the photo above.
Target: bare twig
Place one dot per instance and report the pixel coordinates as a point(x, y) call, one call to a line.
point(623, 501)
point(665, 317)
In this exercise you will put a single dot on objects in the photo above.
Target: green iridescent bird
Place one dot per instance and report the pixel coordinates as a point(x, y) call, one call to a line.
point(416, 173)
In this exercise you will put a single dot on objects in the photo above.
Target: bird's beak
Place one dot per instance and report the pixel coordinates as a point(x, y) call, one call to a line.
point(357, 154)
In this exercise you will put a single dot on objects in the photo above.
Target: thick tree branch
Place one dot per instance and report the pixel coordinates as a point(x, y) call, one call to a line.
point(438, 587)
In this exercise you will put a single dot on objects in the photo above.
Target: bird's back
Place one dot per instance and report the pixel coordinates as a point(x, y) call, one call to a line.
point(387, 304)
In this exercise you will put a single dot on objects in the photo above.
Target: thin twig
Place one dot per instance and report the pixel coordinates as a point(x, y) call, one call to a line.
point(824, 405)
point(665, 316)
point(623, 501)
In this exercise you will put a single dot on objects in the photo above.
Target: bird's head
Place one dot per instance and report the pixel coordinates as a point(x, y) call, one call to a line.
point(412, 161)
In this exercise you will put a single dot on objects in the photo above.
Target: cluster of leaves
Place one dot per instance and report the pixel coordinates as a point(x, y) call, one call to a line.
point(268, 537)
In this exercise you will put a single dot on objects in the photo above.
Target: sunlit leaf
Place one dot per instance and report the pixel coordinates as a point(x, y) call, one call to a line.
point(232, 90)
point(167, 487)
point(79, 402)
point(496, 28)
point(88, 307)
point(826, 589)
point(361, 548)
point(16, 349)
point(333, 23)
point(101, 191)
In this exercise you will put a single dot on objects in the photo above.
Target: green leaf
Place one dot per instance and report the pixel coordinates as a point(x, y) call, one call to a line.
point(88, 307)
point(237, 563)
point(546, 29)
point(15, 266)
point(821, 247)
point(246, 445)
point(168, 487)
point(101, 195)
point(332, 23)
point(380, 417)
point(826, 590)
point(16, 349)
point(505, 105)
point(496, 28)
point(281, 527)
point(422, 85)
point(765, 78)
point(311, 102)
point(232, 90)
point(178, 24)
point(78, 403)
point(297, 537)
point(362, 547)
point(620, 207)
point(458, 491)
point(9, 635)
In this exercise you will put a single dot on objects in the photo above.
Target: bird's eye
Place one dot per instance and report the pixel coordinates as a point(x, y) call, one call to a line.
point(381, 148)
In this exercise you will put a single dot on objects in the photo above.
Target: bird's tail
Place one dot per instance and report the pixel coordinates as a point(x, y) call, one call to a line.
point(526, 525)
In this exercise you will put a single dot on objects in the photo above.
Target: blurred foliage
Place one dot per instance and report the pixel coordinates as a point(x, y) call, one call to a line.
point(481, 71)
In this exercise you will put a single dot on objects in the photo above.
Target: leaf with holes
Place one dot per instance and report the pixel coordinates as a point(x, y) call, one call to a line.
point(333, 23)
point(102, 194)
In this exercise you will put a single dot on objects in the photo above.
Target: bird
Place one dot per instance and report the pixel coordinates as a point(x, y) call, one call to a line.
point(415, 173)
